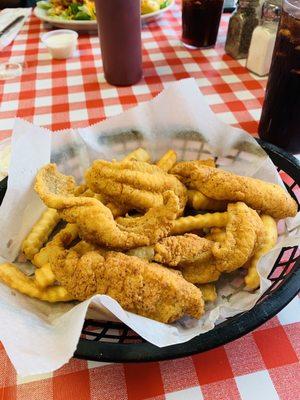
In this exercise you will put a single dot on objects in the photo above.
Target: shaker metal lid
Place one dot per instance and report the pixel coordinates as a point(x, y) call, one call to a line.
point(271, 11)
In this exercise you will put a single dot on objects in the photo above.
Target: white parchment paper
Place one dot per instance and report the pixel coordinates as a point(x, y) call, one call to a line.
point(41, 337)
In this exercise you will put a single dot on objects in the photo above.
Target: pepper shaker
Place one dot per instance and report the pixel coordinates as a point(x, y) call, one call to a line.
point(241, 26)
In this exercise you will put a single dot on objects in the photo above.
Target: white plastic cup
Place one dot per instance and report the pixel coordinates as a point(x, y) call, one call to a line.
point(60, 43)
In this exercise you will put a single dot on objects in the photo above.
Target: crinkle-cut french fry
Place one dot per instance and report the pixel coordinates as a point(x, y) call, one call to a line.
point(216, 235)
point(16, 279)
point(268, 242)
point(167, 161)
point(188, 224)
point(139, 154)
point(44, 276)
point(199, 201)
point(40, 233)
point(63, 238)
point(208, 291)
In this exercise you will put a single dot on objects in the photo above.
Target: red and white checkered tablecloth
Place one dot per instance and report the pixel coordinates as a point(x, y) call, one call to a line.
point(62, 94)
point(263, 365)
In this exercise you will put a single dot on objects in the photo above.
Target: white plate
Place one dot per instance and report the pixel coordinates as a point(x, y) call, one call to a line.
point(64, 23)
point(89, 25)
point(156, 14)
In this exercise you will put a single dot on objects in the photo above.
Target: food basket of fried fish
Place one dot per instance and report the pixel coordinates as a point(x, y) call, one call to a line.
point(155, 236)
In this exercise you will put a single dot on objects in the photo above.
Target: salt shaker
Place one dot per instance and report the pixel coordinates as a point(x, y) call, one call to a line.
point(263, 39)
point(241, 25)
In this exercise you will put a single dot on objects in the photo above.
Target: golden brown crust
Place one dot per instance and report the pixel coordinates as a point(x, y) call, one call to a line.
point(95, 221)
point(243, 229)
point(223, 185)
point(267, 242)
point(201, 272)
point(144, 288)
point(209, 292)
point(175, 250)
point(134, 184)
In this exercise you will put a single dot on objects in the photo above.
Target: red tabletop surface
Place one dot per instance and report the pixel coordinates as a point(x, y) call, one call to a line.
point(62, 94)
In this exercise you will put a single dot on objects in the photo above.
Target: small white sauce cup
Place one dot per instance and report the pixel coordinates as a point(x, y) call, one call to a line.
point(60, 49)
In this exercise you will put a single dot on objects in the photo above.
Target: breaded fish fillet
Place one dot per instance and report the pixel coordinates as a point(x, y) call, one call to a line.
point(243, 230)
point(134, 184)
point(95, 221)
point(147, 289)
point(175, 250)
point(218, 184)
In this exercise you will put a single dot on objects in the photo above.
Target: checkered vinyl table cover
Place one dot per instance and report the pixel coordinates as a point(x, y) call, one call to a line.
point(70, 93)
point(62, 94)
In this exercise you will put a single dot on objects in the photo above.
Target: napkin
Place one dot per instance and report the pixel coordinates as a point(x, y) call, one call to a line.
point(6, 17)
point(41, 337)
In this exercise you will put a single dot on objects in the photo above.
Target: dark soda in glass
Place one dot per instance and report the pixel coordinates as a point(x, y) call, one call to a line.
point(200, 22)
point(119, 27)
point(280, 119)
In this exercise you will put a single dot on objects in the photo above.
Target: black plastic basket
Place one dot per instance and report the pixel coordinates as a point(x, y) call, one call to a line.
point(115, 342)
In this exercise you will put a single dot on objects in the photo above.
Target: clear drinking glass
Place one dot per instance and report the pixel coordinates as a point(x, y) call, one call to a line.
point(200, 22)
point(280, 119)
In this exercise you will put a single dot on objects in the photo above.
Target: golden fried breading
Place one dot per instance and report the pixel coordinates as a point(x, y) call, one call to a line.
point(117, 210)
point(208, 291)
point(243, 229)
point(135, 184)
point(201, 272)
point(196, 199)
point(175, 250)
point(269, 239)
point(184, 169)
point(144, 288)
point(222, 185)
point(95, 221)
point(62, 239)
point(216, 235)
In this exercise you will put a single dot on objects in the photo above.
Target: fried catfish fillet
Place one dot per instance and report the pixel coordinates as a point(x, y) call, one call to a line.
point(134, 184)
point(268, 241)
point(243, 231)
point(175, 250)
point(218, 184)
point(95, 221)
point(144, 288)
